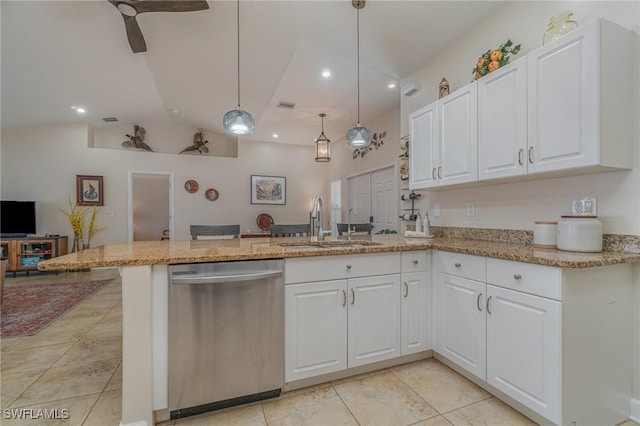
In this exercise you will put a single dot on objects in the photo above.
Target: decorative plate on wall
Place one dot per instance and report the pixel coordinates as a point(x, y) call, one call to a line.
point(264, 221)
point(191, 186)
point(211, 194)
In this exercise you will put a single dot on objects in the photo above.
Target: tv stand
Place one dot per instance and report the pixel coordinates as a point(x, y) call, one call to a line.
point(24, 253)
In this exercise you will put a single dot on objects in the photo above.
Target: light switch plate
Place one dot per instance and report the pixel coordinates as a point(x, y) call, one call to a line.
point(471, 209)
point(584, 207)
point(436, 210)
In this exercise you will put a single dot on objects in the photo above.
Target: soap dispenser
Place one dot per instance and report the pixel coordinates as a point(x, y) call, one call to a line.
point(418, 224)
point(426, 225)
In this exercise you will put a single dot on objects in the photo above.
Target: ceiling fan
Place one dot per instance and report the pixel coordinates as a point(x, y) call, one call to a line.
point(130, 8)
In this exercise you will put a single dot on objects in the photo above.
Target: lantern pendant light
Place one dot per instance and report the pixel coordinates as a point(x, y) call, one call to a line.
point(358, 136)
point(238, 122)
point(323, 145)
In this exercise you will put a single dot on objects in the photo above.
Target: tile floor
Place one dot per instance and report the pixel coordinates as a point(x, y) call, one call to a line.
point(75, 364)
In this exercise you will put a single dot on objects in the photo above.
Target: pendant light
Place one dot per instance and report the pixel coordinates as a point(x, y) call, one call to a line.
point(238, 122)
point(359, 136)
point(323, 145)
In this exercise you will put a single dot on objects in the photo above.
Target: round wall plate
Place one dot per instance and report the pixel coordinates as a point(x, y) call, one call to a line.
point(211, 194)
point(264, 221)
point(191, 186)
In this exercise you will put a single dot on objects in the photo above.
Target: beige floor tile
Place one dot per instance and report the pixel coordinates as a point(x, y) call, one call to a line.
point(250, 415)
point(76, 412)
point(350, 378)
point(9, 342)
point(490, 412)
point(12, 385)
point(96, 349)
point(19, 360)
point(321, 386)
point(107, 411)
point(69, 381)
point(319, 407)
point(441, 387)
point(629, 423)
point(61, 331)
point(383, 399)
point(434, 421)
point(106, 327)
point(116, 380)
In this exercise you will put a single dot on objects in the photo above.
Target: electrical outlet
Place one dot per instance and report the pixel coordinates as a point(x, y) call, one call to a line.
point(436, 210)
point(107, 213)
point(471, 209)
point(584, 207)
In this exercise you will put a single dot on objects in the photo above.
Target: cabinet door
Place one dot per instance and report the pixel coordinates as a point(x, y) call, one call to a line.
point(524, 357)
point(315, 328)
point(502, 122)
point(461, 322)
point(423, 147)
point(563, 102)
point(374, 319)
point(458, 136)
point(415, 313)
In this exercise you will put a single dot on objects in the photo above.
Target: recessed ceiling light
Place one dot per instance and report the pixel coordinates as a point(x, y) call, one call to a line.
point(80, 110)
point(275, 136)
point(392, 85)
point(326, 73)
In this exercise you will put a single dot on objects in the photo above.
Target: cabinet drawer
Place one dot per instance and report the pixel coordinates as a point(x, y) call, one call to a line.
point(322, 268)
point(414, 261)
point(462, 265)
point(539, 280)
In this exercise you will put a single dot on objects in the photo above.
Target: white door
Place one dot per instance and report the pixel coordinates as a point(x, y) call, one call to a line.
point(563, 102)
point(458, 136)
point(359, 198)
point(315, 328)
point(384, 198)
point(502, 122)
point(423, 147)
point(461, 322)
point(524, 344)
point(150, 206)
point(374, 319)
point(415, 312)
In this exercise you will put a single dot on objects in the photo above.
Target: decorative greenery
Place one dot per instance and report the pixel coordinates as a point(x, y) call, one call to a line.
point(376, 142)
point(387, 231)
point(491, 60)
point(77, 216)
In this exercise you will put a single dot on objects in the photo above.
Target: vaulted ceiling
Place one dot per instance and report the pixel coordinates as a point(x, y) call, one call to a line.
point(56, 54)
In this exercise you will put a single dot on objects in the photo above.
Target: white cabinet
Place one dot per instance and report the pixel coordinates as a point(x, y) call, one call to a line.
point(579, 104)
point(443, 141)
point(415, 302)
point(502, 122)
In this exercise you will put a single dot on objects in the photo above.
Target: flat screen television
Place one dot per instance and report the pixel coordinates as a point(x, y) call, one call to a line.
point(17, 218)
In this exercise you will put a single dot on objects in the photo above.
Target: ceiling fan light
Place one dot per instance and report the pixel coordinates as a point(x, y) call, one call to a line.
point(359, 137)
point(238, 122)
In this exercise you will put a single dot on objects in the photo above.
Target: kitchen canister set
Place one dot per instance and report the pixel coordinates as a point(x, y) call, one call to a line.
point(570, 233)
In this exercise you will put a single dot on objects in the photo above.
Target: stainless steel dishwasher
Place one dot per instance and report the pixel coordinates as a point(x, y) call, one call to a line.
point(226, 334)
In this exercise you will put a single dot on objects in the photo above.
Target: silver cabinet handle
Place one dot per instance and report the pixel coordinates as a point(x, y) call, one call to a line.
point(353, 296)
point(344, 298)
point(488, 300)
point(457, 265)
point(530, 155)
point(406, 290)
point(517, 276)
point(433, 173)
point(440, 172)
point(478, 302)
point(348, 267)
point(520, 161)
point(415, 262)
point(231, 277)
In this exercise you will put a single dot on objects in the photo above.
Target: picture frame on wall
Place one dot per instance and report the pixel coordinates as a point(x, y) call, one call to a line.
point(89, 190)
point(268, 190)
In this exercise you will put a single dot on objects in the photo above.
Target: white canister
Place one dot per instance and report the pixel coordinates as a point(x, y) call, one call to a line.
point(579, 233)
point(544, 233)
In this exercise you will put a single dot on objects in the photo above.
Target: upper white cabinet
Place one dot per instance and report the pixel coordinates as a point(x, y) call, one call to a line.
point(443, 141)
point(579, 101)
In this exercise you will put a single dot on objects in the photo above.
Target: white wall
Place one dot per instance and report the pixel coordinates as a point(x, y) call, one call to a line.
point(518, 205)
point(41, 163)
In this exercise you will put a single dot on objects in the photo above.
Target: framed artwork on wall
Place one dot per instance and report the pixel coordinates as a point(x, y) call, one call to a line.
point(268, 190)
point(89, 190)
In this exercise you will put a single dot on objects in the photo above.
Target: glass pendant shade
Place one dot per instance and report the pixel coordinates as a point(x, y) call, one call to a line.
point(323, 145)
point(359, 137)
point(238, 122)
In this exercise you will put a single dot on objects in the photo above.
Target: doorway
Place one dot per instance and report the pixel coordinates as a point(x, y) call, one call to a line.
point(373, 197)
point(150, 206)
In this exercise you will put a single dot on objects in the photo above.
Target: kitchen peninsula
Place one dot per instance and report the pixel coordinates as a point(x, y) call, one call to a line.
point(145, 288)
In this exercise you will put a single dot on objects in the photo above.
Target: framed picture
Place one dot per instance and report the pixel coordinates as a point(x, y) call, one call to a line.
point(268, 190)
point(89, 190)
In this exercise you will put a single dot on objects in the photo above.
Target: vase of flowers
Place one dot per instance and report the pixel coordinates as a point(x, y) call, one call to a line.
point(493, 59)
point(77, 216)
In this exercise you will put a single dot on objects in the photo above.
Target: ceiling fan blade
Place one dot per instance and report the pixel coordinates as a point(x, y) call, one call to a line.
point(169, 5)
point(134, 34)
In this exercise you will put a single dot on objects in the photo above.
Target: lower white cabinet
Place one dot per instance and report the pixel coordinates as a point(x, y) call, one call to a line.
point(415, 314)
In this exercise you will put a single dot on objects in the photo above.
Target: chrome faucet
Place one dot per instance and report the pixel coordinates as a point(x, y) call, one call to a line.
point(316, 212)
point(349, 224)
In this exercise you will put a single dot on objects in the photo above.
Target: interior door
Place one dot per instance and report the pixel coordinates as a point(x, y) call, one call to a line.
point(150, 206)
point(383, 200)
point(360, 198)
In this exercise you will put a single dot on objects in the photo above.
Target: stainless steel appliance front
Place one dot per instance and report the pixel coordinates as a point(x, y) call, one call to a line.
point(226, 334)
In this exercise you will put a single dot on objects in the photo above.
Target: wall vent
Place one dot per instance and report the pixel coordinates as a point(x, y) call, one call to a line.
point(286, 105)
point(109, 119)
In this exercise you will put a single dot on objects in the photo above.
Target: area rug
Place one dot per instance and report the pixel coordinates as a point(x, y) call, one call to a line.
point(27, 309)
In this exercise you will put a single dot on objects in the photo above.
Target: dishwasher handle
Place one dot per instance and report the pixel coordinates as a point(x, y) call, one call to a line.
point(233, 277)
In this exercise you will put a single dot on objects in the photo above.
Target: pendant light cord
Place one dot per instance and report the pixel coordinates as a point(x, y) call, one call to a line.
point(358, 60)
point(238, 18)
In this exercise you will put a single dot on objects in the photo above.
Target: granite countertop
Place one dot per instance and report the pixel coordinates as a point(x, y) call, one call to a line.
point(167, 252)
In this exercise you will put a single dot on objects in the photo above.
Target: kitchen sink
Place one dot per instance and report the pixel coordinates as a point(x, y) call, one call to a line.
point(327, 244)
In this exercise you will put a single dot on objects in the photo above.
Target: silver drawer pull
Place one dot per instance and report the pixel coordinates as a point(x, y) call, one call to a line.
point(415, 262)
point(457, 265)
point(517, 276)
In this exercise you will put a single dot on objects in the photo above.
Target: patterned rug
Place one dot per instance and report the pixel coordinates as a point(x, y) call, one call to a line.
point(27, 309)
